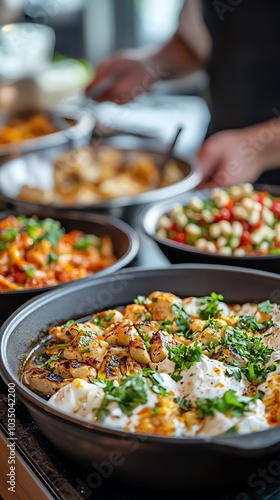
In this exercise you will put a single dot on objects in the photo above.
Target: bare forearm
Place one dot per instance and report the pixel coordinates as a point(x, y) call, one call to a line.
point(263, 142)
point(173, 59)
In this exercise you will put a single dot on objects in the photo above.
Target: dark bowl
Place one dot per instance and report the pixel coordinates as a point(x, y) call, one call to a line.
point(179, 253)
point(37, 170)
point(125, 242)
point(177, 463)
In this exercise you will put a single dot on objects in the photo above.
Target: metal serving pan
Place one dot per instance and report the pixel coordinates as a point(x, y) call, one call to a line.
point(179, 253)
point(154, 461)
point(125, 242)
point(37, 171)
point(77, 134)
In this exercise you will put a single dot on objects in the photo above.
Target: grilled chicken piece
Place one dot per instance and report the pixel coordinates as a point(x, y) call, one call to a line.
point(120, 334)
point(62, 334)
point(45, 382)
point(210, 335)
point(160, 305)
point(228, 355)
point(158, 351)
point(138, 350)
point(124, 334)
point(75, 369)
point(86, 348)
point(147, 329)
point(106, 318)
point(110, 366)
point(136, 313)
point(129, 366)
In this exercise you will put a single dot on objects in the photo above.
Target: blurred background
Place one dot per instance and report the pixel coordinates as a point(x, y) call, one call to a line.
point(86, 31)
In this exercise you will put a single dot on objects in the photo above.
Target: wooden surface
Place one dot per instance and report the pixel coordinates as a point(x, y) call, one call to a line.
point(27, 485)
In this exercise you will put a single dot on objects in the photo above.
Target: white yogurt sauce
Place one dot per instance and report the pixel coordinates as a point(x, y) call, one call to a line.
point(208, 379)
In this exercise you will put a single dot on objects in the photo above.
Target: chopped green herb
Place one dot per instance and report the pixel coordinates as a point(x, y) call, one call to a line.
point(233, 371)
point(88, 240)
point(182, 319)
point(132, 392)
point(52, 257)
point(184, 357)
point(183, 403)
point(212, 304)
point(140, 299)
point(58, 345)
point(228, 403)
point(266, 307)
point(68, 324)
point(30, 271)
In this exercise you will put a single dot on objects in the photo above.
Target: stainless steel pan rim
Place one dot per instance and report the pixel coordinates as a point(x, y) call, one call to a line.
point(82, 129)
point(259, 441)
point(186, 184)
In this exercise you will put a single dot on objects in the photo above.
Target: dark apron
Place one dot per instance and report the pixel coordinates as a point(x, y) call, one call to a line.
point(244, 68)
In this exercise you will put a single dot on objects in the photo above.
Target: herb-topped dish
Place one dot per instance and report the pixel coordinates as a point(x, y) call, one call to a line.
point(235, 222)
point(165, 366)
point(39, 253)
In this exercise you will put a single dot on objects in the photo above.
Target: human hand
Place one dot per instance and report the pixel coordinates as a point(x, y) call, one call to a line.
point(229, 157)
point(123, 76)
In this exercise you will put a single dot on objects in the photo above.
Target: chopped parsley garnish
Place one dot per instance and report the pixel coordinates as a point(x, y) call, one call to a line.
point(46, 364)
point(154, 299)
point(85, 341)
point(85, 350)
point(54, 231)
point(251, 350)
point(251, 323)
point(229, 403)
point(132, 392)
point(184, 357)
point(156, 380)
point(183, 403)
point(52, 257)
point(233, 371)
point(182, 319)
point(29, 270)
point(266, 307)
point(88, 240)
point(68, 324)
point(108, 317)
point(6, 237)
point(140, 299)
point(58, 345)
point(212, 304)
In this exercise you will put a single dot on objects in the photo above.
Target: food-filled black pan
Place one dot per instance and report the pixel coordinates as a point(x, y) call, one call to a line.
point(125, 242)
point(179, 253)
point(176, 463)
